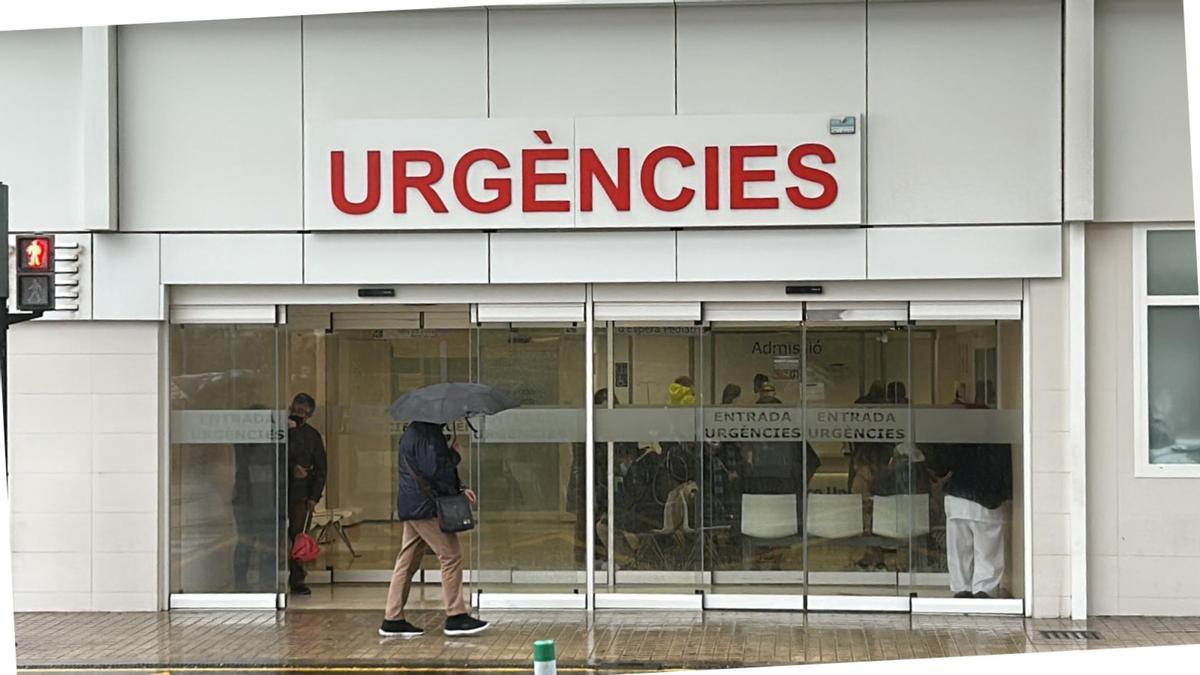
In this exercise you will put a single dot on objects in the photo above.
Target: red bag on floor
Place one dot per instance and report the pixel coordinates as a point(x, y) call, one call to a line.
point(304, 547)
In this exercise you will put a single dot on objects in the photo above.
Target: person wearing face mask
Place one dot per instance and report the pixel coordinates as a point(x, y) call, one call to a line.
point(307, 469)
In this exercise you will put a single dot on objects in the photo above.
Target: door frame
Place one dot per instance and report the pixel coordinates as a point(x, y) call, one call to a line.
point(726, 294)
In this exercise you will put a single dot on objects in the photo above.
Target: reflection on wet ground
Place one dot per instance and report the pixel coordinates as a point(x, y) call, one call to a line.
point(611, 641)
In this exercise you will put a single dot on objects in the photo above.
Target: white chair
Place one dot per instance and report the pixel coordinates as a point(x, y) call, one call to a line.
point(768, 519)
point(834, 516)
point(900, 516)
point(769, 516)
point(325, 519)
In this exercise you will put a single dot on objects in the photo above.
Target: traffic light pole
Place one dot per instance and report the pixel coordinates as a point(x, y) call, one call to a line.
point(8, 633)
point(4, 323)
point(7, 319)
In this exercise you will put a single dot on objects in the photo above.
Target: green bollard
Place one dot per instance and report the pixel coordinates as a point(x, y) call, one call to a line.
point(544, 662)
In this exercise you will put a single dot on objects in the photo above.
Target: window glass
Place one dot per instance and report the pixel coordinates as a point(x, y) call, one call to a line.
point(1171, 262)
point(227, 439)
point(1174, 385)
point(530, 463)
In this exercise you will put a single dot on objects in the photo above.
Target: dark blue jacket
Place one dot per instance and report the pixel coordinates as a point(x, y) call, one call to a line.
point(423, 449)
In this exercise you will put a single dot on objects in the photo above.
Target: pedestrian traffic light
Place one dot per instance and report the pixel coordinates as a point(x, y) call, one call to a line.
point(35, 273)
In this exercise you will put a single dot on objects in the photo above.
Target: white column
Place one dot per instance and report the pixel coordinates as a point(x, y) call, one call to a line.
point(1077, 415)
point(98, 103)
point(1191, 41)
point(1079, 30)
point(589, 530)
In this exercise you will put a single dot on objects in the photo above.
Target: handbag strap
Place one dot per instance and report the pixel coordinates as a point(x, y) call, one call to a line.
point(418, 478)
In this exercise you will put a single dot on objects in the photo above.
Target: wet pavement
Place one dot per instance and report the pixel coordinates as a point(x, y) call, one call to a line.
point(625, 641)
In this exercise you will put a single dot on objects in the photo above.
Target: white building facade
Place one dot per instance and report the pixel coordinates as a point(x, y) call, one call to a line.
point(949, 234)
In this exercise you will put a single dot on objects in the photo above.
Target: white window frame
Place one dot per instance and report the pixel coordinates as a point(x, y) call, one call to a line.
point(1143, 301)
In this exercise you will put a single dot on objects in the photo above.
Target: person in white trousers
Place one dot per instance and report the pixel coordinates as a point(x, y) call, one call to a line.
point(977, 481)
point(975, 547)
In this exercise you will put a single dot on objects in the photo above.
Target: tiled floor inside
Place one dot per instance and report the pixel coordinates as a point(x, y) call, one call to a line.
point(614, 639)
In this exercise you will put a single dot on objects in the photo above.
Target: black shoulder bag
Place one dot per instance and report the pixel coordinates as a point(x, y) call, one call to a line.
point(453, 512)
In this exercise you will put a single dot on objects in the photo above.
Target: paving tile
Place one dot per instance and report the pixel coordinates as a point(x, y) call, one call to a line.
point(613, 639)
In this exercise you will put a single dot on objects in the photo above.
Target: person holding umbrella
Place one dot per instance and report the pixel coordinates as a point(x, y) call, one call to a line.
point(429, 499)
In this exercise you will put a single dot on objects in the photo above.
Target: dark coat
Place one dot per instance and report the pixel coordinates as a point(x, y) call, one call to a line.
point(306, 449)
point(423, 449)
point(982, 474)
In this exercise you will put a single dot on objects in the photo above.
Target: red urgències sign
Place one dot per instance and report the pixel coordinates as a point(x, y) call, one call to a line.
point(588, 172)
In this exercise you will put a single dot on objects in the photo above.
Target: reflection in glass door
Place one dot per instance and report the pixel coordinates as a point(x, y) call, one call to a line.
point(227, 446)
point(767, 465)
point(859, 524)
point(758, 465)
point(651, 394)
point(355, 374)
point(530, 463)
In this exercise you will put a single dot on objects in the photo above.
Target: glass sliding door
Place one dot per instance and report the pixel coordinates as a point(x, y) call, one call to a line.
point(652, 386)
point(860, 500)
point(967, 426)
point(757, 466)
point(227, 448)
point(356, 375)
point(530, 466)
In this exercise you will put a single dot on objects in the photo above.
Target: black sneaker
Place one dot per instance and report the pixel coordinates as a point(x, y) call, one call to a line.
point(301, 590)
point(963, 594)
point(464, 624)
point(982, 596)
point(399, 628)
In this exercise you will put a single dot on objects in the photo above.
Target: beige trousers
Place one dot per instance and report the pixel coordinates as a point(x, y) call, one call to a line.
point(421, 536)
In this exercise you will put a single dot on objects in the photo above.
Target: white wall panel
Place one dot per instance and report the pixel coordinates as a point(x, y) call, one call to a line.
point(773, 255)
point(41, 145)
point(396, 258)
point(610, 61)
point(388, 65)
point(582, 257)
point(728, 57)
point(964, 120)
point(232, 258)
point(1143, 165)
point(946, 252)
point(210, 132)
point(68, 471)
point(125, 280)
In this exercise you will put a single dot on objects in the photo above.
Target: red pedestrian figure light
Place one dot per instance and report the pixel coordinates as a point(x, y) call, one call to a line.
point(36, 254)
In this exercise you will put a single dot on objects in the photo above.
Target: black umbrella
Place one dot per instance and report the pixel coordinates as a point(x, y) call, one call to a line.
point(448, 402)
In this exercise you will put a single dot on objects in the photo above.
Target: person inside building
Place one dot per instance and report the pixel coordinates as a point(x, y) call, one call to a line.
point(254, 511)
point(681, 392)
point(625, 452)
point(778, 467)
point(977, 482)
point(727, 455)
point(307, 470)
point(759, 380)
point(870, 470)
point(766, 394)
point(427, 469)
